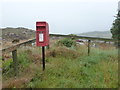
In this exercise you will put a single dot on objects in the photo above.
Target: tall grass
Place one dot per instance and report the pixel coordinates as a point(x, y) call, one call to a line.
point(70, 67)
point(100, 70)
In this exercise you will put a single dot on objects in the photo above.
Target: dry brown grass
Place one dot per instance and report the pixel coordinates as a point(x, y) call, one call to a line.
point(62, 51)
point(12, 82)
point(104, 46)
point(23, 77)
point(36, 58)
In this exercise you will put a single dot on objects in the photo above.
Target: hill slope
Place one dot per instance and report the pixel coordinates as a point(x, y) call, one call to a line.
point(21, 33)
point(102, 34)
point(17, 33)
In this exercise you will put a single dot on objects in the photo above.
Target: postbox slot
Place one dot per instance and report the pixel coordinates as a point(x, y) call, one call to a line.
point(41, 27)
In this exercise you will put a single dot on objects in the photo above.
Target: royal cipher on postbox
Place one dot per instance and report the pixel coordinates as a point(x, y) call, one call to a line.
point(42, 34)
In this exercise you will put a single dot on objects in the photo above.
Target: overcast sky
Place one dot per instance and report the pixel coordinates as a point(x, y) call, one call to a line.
point(63, 16)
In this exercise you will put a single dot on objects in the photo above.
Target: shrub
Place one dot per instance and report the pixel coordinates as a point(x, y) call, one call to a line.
point(73, 35)
point(66, 42)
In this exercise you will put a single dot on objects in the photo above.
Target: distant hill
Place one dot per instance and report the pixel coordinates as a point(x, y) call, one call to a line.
point(102, 34)
point(17, 33)
point(21, 33)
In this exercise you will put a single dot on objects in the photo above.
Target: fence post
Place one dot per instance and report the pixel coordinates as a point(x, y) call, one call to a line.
point(3, 58)
point(14, 55)
point(89, 47)
point(48, 47)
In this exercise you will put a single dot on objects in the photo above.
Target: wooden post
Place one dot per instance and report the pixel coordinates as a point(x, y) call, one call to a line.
point(3, 58)
point(89, 47)
point(43, 57)
point(48, 47)
point(105, 41)
point(14, 55)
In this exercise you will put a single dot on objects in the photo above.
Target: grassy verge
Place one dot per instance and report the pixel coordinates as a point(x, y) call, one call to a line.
point(67, 68)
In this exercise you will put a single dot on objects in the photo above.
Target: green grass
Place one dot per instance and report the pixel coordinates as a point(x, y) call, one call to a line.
point(71, 68)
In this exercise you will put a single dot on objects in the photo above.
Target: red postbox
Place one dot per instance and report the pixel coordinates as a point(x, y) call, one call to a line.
point(42, 34)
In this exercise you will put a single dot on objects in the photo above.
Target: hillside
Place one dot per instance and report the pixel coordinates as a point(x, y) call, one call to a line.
point(102, 34)
point(20, 33)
